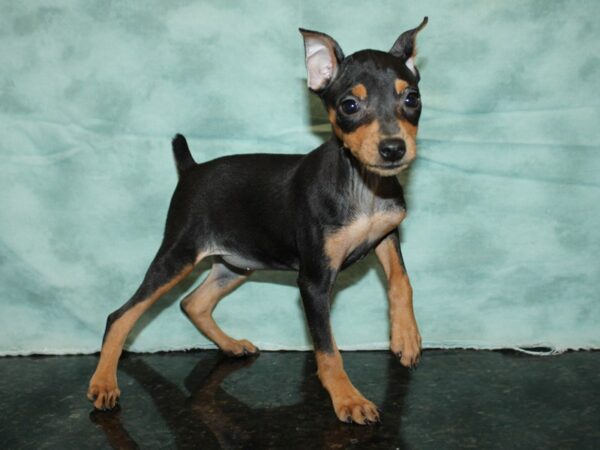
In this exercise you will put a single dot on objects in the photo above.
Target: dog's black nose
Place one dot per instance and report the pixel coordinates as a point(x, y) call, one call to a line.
point(392, 149)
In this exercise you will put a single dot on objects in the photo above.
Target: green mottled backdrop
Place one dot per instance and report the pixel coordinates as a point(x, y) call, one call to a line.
point(503, 235)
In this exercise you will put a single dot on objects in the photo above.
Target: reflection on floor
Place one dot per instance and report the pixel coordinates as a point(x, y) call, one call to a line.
point(456, 399)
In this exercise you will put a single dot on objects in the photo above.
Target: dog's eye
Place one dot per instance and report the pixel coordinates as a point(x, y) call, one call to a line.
point(412, 100)
point(349, 106)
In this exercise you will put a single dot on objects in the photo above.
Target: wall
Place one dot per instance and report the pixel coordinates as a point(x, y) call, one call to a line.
point(502, 237)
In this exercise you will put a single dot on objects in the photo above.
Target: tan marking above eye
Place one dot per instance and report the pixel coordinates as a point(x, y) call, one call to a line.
point(359, 91)
point(400, 85)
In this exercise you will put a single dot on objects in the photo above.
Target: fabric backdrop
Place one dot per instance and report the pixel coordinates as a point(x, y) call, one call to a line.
point(502, 238)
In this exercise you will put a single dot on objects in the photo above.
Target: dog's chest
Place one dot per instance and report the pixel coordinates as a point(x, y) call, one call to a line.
point(361, 232)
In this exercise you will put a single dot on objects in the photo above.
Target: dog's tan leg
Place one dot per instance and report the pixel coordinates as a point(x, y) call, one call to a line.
point(405, 339)
point(200, 304)
point(164, 273)
point(348, 403)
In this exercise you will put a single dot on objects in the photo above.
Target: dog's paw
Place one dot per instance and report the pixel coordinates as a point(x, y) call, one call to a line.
point(355, 408)
point(104, 395)
point(407, 347)
point(239, 348)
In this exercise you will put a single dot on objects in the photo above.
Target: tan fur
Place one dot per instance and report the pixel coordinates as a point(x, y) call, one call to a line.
point(340, 243)
point(360, 91)
point(364, 143)
point(408, 129)
point(348, 402)
point(199, 306)
point(333, 119)
point(408, 132)
point(103, 385)
point(405, 338)
point(400, 85)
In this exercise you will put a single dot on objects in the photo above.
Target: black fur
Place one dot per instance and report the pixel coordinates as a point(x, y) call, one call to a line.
point(182, 154)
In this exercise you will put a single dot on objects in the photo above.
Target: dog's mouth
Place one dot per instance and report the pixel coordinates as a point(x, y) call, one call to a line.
point(388, 169)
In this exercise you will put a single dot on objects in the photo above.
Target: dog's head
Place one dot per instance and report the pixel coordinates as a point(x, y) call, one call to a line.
point(372, 98)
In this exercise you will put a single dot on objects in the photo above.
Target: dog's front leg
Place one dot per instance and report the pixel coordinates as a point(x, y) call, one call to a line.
point(348, 402)
point(405, 339)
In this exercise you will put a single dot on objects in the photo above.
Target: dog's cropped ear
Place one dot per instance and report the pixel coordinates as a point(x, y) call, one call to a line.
point(405, 46)
point(323, 58)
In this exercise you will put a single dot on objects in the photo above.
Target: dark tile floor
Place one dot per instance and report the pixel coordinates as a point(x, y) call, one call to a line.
point(456, 399)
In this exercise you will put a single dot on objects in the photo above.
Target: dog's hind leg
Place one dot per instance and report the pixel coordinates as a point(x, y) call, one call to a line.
point(172, 263)
point(199, 305)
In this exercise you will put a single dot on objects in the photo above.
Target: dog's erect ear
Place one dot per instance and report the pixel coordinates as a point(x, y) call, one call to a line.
point(323, 57)
point(405, 46)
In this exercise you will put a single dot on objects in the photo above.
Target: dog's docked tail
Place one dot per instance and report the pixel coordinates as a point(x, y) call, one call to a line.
point(181, 152)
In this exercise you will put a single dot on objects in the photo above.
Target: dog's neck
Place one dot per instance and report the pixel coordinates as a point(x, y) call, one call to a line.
point(369, 191)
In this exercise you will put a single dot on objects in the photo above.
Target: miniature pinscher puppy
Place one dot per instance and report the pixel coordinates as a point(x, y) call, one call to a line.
point(315, 214)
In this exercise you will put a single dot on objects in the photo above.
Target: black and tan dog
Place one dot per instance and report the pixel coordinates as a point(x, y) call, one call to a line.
point(315, 214)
